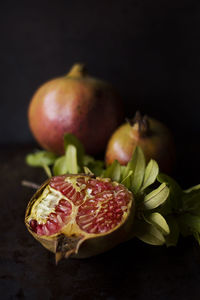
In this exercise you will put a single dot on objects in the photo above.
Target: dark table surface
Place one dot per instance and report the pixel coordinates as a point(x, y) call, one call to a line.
point(132, 270)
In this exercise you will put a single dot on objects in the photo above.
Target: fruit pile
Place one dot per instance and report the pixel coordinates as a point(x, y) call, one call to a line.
point(85, 208)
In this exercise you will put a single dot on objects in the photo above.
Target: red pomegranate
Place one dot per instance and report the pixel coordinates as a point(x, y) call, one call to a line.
point(151, 135)
point(76, 103)
point(80, 215)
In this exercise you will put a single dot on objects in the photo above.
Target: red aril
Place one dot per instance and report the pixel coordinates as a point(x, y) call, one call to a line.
point(80, 215)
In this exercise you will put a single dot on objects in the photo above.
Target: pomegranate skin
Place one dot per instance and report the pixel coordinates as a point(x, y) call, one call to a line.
point(157, 143)
point(76, 103)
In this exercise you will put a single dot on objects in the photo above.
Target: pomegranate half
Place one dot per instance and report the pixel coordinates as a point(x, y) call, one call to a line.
point(75, 103)
point(80, 215)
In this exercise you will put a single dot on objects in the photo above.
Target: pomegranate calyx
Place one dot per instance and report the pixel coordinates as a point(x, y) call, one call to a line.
point(66, 246)
point(140, 124)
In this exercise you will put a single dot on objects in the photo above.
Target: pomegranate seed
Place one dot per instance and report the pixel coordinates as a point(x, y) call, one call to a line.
point(52, 227)
point(97, 205)
point(33, 224)
point(40, 229)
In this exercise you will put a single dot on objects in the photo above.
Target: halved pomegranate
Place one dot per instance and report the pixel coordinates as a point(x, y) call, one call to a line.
point(80, 215)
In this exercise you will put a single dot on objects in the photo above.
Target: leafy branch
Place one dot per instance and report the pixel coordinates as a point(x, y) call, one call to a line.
point(163, 209)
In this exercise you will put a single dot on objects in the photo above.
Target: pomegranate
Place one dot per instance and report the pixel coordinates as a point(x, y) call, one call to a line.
point(76, 103)
point(80, 215)
point(152, 136)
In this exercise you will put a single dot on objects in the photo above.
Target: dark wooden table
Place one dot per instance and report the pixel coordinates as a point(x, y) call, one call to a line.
point(132, 270)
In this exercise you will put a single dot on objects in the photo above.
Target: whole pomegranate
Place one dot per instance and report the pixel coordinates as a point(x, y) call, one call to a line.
point(75, 103)
point(80, 215)
point(152, 136)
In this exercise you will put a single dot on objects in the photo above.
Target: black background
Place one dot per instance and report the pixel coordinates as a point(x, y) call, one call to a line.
point(149, 50)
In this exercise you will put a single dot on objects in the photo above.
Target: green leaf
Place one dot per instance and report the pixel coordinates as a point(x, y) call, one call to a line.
point(60, 166)
point(165, 208)
point(71, 159)
point(123, 172)
point(156, 197)
point(197, 237)
point(127, 180)
point(67, 163)
point(148, 233)
point(70, 139)
point(40, 158)
point(172, 237)
point(87, 171)
point(194, 211)
point(191, 200)
point(113, 171)
point(190, 225)
point(175, 190)
point(193, 188)
point(97, 169)
point(96, 166)
point(159, 222)
point(137, 166)
point(151, 173)
point(87, 160)
point(184, 229)
point(191, 221)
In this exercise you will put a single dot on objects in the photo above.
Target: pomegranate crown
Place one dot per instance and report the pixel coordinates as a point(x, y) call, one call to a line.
point(140, 123)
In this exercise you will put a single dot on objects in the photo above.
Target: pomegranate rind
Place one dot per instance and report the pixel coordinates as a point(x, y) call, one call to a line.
point(158, 144)
point(75, 104)
point(77, 243)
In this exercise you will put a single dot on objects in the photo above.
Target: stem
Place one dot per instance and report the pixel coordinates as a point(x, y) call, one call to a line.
point(30, 184)
point(47, 170)
point(77, 70)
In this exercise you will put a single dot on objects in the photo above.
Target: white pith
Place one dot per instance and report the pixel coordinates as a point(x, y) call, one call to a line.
point(45, 204)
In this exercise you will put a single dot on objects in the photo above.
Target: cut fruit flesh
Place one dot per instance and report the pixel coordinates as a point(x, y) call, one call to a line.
point(95, 205)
